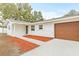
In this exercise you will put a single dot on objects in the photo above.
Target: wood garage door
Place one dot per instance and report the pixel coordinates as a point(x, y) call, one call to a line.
point(69, 30)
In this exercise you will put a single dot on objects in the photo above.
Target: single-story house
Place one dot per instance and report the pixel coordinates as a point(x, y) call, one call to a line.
point(62, 28)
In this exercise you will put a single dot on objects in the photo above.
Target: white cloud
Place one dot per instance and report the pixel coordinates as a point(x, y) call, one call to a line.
point(53, 14)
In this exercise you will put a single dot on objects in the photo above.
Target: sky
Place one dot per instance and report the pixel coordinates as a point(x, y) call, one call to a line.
point(54, 10)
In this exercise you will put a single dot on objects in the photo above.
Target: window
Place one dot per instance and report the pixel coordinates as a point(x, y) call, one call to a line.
point(40, 26)
point(33, 28)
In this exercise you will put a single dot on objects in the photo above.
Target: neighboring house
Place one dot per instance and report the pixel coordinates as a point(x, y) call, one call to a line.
point(64, 28)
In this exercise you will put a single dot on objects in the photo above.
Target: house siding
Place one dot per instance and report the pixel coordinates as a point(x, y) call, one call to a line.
point(48, 30)
point(16, 29)
point(19, 29)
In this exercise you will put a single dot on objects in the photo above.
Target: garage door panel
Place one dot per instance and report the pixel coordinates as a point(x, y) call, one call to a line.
point(68, 30)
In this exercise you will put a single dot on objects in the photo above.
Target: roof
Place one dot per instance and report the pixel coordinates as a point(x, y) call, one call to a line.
point(56, 20)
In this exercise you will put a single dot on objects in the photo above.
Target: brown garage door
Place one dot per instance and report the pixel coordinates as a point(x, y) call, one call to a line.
point(69, 30)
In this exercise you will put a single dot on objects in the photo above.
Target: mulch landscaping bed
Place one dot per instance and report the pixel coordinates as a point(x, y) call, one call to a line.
point(41, 38)
point(24, 45)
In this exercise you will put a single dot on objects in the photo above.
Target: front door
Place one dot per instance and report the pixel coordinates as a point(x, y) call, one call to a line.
point(26, 29)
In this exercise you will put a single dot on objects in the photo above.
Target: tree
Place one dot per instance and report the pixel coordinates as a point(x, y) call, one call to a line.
point(38, 16)
point(19, 11)
point(35, 15)
point(71, 13)
point(27, 14)
point(25, 11)
point(24, 6)
point(8, 10)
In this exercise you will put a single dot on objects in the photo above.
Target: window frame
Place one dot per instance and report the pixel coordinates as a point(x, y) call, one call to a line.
point(40, 27)
point(32, 27)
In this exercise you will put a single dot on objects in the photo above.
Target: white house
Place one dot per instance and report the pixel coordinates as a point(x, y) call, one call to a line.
point(66, 28)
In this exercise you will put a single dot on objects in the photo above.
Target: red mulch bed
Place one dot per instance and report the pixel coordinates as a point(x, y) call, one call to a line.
point(24, 45)
point(41, 38)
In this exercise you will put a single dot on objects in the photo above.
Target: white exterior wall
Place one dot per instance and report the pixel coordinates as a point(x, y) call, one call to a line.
point(16, 29)
point(48, 30)
point(19, 29)
point(9, 28)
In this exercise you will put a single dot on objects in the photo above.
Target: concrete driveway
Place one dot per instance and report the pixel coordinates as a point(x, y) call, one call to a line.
point(56, 47)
